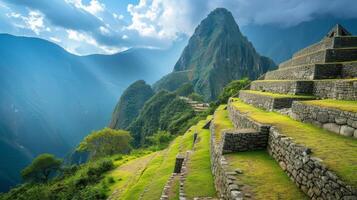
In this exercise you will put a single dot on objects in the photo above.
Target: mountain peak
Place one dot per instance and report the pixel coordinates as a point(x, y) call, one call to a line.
point(220, 12)
point(216, 53)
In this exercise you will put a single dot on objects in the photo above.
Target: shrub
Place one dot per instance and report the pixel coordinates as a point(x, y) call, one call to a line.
point(41, 168)
point(106, 142)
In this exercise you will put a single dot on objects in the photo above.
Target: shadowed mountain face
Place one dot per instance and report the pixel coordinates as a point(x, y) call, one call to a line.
point(130, 103)
point(50, 99)
point(216, 54)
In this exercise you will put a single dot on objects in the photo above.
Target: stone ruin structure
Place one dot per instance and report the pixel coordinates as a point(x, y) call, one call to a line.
point(325, 70)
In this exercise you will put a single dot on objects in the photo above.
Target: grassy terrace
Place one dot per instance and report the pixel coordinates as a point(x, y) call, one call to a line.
point(199, 167)
point(337, 104)
point(276, 95)
point(262, 176)
point(135, 178)
point(221, 121)
point(339, 153)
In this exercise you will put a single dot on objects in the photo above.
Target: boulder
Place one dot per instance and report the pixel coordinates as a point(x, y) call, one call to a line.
point(347, 131)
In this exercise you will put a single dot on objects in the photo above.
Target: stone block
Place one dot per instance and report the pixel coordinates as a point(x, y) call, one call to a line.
point(332, 127)
point(347, 130)
point(340, 120)
point(322, 117)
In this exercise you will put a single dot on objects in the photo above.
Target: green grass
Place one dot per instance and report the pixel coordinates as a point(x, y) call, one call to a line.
point(148, 180)
point(337, 104)
point(199, 167)
point(338, 153)
point(276, 95)
point(128, 172)
point(264, 177)
point(221, 121)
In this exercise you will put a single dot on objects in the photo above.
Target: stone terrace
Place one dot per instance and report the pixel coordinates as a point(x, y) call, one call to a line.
point(313, 141)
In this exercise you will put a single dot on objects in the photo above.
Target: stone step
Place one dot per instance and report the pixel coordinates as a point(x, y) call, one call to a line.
point(238, 140)
point(270, 101)
point(322, 56)
point(323, 44)
point(334, 115)
point(307, 72)
point(299, 149)
point(329, 43)
point(340, 89)
point(293, 87)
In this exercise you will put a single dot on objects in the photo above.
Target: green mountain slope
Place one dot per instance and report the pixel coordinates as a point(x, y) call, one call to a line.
point(130, 103)
point(164, 111)
point(216, 54)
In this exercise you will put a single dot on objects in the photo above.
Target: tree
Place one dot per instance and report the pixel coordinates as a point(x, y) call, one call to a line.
point(106, 142)
point(41, 168)
point(231, 89)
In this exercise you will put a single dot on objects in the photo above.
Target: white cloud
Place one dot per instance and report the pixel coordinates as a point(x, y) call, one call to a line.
point(33, 21)
point(118, 17)
point(94, 6)
point(161, 19)
point(81, 37)
point(104, 30)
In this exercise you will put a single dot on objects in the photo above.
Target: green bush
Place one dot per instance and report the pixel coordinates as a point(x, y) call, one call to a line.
point(106, 142)
point(82, 182)
point(42, 168)
point(231, 89)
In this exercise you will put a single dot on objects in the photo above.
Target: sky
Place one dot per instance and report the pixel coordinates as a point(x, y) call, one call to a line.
point(86, 27)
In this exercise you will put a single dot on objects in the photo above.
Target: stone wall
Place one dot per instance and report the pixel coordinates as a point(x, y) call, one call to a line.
point(283, 87)
point(315, 57)
point(264, 102)
point(308, 172)
point(341, 55)
point(236, 140)
point(267, 102)
point(323, 44)
point(225, 185)
point(285, 64)
point(336, 89)
point(303, 72)
point(349, 70)
point(343, 42)
point(334, 120)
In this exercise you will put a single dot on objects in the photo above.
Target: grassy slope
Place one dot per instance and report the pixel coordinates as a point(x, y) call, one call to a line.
point(338, 104)
point(339, 153)
point(221, 121)
point(264, 177)
point(128, 173)
point(276, 95)
point(199, 167)
point(147, 180)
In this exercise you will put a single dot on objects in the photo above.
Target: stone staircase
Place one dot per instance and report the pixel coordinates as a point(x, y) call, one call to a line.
point(313, 144)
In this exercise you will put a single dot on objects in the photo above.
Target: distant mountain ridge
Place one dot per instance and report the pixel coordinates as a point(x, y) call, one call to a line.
point(216, 54)
point(50, 99)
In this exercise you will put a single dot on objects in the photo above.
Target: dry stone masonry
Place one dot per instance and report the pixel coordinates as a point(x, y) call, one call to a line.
point(334, 120)
point(325, 70)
